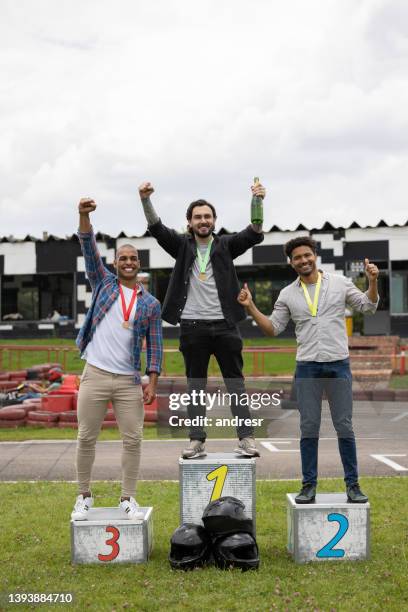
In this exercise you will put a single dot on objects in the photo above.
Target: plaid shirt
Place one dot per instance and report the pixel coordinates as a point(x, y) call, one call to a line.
point(105, 290)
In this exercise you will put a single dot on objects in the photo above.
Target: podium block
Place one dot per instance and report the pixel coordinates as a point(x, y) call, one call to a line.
point(110, 537)
point(329, 529)
point(216, 475)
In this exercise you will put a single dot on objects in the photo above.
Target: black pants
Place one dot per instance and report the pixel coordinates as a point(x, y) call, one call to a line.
point(198, 341)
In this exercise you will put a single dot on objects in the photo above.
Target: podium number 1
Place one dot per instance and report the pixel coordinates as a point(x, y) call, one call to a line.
point(113, 542)
point(327, 550)
point(219, 475)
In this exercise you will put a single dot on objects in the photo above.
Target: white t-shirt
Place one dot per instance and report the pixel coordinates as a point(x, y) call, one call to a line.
point(111, 347)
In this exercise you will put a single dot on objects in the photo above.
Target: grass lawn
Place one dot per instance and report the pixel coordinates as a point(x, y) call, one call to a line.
point(19, 434)
point(36, 556)
point(399, 382)
point(173, 365)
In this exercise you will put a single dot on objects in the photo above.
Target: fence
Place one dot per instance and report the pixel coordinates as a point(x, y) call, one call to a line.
point(13, 356)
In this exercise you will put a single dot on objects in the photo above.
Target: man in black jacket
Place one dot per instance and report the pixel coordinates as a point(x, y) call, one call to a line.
point(202, 296)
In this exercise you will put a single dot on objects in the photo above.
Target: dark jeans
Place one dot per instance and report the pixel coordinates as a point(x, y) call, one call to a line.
point(198, 341)
point(334, 379)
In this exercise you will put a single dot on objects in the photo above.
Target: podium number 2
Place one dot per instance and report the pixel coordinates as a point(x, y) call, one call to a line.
point(113, 542)
point(327, 550)
point(219, 475)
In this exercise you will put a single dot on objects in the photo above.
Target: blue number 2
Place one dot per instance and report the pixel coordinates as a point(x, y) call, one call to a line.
point(327, 550)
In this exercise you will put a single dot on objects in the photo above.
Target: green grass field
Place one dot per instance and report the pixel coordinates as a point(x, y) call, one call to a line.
point(281, 363)
point(36, 556)
point(269, 364)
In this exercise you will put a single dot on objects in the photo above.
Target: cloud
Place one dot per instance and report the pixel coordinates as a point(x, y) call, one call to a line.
point(199, 99)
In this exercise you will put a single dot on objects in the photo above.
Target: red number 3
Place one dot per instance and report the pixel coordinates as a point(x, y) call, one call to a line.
point(113, 541)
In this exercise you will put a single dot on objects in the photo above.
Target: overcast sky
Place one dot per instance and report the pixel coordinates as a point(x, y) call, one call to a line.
point(198, 97)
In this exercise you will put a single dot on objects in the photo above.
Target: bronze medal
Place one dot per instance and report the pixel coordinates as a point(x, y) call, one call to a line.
point(125, 324)
point(202, 276)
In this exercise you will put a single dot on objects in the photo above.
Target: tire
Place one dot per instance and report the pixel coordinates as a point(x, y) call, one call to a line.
point(12, 414)
point(70, 416)
point(20, 374)
point(15, 423)
point(42, 416)
point(150, 416)
point(45, 424)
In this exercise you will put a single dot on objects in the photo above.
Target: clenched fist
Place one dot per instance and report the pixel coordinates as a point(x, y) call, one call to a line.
point(371, 270)
point(245, 297)
point(86, 206)
point(145, 190)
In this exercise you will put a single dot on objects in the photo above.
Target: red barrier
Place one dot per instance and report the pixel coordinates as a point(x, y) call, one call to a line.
point(57, 403)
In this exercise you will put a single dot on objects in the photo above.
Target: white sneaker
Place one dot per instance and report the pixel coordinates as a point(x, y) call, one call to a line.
point(131, 508)
point(247, 447)
point(81, 508)
point(196, 448)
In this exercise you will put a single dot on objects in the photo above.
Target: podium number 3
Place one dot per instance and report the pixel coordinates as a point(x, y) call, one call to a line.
point(219, 475)
point(327, 550)
point(113, 542)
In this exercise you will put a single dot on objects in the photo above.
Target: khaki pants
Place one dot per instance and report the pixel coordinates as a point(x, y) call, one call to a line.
point(97, 388)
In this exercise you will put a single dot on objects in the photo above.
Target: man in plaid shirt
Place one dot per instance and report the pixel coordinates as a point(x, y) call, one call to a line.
point(122, 314)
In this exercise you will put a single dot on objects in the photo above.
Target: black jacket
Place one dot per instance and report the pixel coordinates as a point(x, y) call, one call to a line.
point(223, 250)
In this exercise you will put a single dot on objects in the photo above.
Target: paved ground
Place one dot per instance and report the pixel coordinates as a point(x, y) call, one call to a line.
point(381, 431)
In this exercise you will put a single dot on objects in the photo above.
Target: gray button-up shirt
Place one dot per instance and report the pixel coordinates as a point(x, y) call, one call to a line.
point(325, 338)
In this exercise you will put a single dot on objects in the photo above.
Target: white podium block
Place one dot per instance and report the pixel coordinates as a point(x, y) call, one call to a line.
point(216, 475)
point(110, 537)
point(329, 529)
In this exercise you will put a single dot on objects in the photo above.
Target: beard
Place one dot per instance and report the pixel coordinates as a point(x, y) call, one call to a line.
point(203, 231)
point(308, 271)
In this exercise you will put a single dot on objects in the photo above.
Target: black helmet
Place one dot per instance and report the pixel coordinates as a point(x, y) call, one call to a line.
point(236, 550)
point(226, 515)
point(190, 546)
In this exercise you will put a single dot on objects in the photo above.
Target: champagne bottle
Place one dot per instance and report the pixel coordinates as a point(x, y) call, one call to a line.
point(256, 207)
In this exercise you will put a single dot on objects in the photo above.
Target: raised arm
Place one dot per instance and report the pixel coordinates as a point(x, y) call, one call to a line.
point(145, 191)
point(242, 241)
point(95, 270)
point(258, 190)
point(168, 238)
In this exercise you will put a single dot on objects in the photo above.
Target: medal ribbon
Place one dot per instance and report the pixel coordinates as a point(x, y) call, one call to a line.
point(203, 261)
point(126, 312)
point(312, 307)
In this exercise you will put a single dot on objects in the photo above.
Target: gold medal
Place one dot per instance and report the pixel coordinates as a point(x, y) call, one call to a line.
point(125, 324)
point(202, 276)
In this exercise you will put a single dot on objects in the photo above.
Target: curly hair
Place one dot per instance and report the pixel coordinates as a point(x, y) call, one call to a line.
point(297, 242)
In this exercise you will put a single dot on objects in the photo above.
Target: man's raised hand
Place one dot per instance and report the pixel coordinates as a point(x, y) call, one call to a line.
point(146, 190)
point(371, 270)
point(86, 206)
point(258, 190)
point(244, 296)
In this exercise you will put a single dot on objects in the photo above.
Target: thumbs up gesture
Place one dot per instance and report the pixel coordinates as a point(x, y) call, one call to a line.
point(371, 270)
point(245, 297)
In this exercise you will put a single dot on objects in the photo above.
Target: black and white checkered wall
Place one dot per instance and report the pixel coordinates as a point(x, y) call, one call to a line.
point(336, 249)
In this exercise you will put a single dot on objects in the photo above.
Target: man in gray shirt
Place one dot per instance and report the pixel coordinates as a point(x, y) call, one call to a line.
point(316, 302)
point(202, 297)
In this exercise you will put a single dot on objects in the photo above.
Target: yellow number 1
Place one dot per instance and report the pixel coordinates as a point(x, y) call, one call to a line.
point(219, 475)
